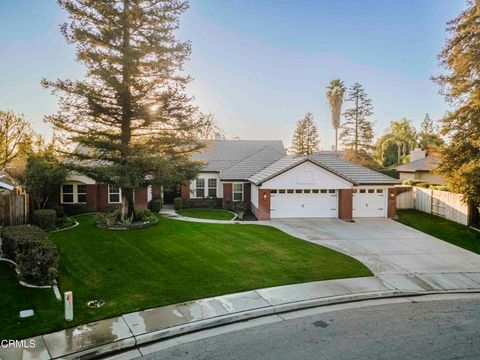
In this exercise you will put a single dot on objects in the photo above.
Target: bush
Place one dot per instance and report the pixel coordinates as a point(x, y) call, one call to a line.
point(38, 263)
point(229, 205)
point(177, 203)
point(211, 202)
point(411, 182)
point(45, 219)
point(36, 256)
point(156, 205)
point(109, 219)
point(140, 214)
point(111, 208)
point(75, 209)
point(14, 238)
point(240, 208)
point(59, 210)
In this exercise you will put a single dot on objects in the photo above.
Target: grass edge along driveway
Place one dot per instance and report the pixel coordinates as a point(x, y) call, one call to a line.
point(171, 262)
point(449, 231)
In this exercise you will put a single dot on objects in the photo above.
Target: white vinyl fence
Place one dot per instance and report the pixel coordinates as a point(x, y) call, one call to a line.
point(441, 203)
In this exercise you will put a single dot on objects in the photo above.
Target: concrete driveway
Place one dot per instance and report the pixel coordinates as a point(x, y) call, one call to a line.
point(384, 245)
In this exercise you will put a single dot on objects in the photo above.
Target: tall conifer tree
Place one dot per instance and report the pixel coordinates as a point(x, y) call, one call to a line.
point(305, 139)
point(130, 116)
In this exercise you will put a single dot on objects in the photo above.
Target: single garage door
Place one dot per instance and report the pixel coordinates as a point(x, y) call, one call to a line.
point(369, 202)
point(304, 203)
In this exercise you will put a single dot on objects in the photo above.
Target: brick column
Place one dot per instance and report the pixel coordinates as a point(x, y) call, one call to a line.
point(345, 204)
point(247, 191)
point(141, 197)
point(392, 203)
point(92, 197)
point(264, 204)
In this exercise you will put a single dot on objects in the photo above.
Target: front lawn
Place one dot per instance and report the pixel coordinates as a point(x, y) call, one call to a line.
point(212, 214)
point(171, 262)
point(447, 230)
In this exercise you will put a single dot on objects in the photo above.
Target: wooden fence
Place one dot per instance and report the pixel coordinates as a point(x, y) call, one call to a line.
point(441, 203)
point(13, 208)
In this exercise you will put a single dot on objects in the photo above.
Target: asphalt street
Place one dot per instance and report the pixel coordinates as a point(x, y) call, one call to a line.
point(441, 329)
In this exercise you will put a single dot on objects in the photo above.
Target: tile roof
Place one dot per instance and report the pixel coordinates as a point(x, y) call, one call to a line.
point(356, 174)
point(428, 163)
point(249, 156)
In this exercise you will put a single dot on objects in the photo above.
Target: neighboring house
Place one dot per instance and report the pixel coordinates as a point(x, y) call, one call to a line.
point(276, 185)
point(6, 183)
point(80, 190)
point(421, 167)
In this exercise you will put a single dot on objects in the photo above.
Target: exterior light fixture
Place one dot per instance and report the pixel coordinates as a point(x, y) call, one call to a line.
point(264, 196)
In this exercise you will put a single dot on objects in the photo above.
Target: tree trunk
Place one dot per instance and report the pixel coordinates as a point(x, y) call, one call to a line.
point(336, 139)
point(127, 203)
point(399, 153)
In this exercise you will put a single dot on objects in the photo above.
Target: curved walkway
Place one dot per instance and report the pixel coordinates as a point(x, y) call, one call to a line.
point(168, 211)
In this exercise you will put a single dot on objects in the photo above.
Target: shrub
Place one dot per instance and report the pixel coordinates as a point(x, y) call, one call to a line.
point(59, 210)
point(110, 208)
point(177, 203)
point(188, 203)
point(109, 219)
point(211, 202)
point(411, 182)
point(240, 208)
point(424, 185)
point(38, 263)
point(36, 256)
point(156, 205)
point(45, 219)
point(14, 238)
point(75, 209)
point(140, 214)
point(229, 205)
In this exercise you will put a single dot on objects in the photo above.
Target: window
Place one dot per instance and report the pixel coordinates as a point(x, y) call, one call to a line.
point(114, 194)
point(67, 193)
point(73, 193)
point(306, 191)
point(379, 191)
point(281, 191)
point(290, 191)
point(362, 191)
point(212, 187)
point(273, 191)
point(323, 191)
point(331, 191)
point(298, 191)
point(371, 191)
point(200, 188)
point(315, 191)
point(237, 192)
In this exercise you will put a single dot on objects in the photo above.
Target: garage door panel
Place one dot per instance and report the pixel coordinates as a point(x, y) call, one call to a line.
point(304, 205)
point(369, 203)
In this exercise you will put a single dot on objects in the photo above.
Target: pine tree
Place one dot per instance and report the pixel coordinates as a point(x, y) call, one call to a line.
point(428, 135)
point(305, 139)
point(461, 87)
point(131, 112)
point(357, 133)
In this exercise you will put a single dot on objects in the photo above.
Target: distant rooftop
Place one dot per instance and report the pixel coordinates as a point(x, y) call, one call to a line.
point(427, 163)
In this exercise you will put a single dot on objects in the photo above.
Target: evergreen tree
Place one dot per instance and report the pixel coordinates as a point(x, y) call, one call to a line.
point(130, 115)
point(357, 133)
point(429, 134)
point(461, 87)
point(305, 139)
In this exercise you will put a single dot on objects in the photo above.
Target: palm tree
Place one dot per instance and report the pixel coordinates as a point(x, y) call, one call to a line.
point(335, 94)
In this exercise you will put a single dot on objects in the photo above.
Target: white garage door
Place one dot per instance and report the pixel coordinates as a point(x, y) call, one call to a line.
point(369, 202)
point(303, 203)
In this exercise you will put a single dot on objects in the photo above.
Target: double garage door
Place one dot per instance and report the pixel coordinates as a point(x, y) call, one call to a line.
point(324, 203)
point(304, 203)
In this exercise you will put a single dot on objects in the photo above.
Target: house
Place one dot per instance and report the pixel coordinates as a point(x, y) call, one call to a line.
point(81, 191)
point(276, 185)
point(421, 167)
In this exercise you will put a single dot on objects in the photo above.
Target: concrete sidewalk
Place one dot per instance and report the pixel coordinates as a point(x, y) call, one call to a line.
point(133, 329)
point(169, 212)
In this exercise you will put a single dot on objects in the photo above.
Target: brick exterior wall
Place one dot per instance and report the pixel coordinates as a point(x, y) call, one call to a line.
point(263, 204)
point(247, 194)
point(392, 203)
point(102, 197)
point(345, 204)
point(141, 197)
point(91, 197)
point(185, 190)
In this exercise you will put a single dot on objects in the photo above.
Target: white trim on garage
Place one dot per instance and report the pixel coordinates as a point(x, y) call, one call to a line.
point(303, 203)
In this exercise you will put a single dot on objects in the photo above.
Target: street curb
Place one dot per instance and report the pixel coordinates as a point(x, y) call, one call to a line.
point(132, 341)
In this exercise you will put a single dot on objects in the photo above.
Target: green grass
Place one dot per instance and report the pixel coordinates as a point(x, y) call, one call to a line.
point(213, 214)
point(447, 230)
point(171, 262)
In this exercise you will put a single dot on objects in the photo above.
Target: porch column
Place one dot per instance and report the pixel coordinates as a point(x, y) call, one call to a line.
point(91, 197)
point(185, 190)
point(264, 204)
point(227, 193)
point(392, 203)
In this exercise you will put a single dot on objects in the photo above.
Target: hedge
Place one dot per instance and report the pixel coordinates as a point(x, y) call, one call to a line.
point(36, 255)
point(45, 219)
point(177, 203)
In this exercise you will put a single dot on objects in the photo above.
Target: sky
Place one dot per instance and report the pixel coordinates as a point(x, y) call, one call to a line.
point(258, 65)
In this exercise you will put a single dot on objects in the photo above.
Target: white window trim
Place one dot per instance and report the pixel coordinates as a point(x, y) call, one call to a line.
point(75, 193)
point(204, 188)
point(119, 195)
point(233, 191)
point(208, 187)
